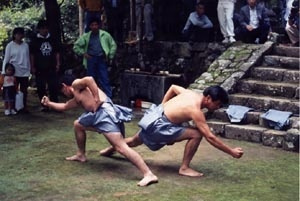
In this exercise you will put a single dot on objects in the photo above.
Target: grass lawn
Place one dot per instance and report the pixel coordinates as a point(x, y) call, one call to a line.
point(33, 147)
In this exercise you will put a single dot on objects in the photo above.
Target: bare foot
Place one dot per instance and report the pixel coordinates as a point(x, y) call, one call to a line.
point(147, 180)
point(107, 151)
point(80, 158)
point(190, 172)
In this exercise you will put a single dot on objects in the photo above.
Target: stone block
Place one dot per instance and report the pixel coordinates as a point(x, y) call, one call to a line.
point(246, 66)
point(199, 47)
point(244, 132)
point(291, 140)
point(182, 50)
point(268, 73)
point(253, 117)
point(291, 76)
point(295, 122)
point(287, 51)
point(273, 138)
point(230, 82)
point(297, 93)
point(216, 127)
point(146, 86)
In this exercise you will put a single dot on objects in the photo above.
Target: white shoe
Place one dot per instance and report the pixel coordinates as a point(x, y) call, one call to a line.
point(13, 112)
point(225, 40)
point(232, 40)
point(6, 112)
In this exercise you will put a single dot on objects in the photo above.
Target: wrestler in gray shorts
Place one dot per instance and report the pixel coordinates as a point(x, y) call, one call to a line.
point(156, 130)
point(109, 118)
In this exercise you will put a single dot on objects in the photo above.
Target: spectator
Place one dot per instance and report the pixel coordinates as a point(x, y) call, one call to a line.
point(198, 26)
point(225, 16)
point(287, 11)
point(92, 9)
point(147, 22)
point(45, 60)
point(9, 90)
point(254, 23)
point(17, 54)
point(292, 25)
point(97, 47)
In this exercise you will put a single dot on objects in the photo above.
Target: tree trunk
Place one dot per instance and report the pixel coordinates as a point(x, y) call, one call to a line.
point(53, 18)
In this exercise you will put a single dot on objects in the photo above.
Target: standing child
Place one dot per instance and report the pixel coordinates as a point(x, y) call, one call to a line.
point(9, 90)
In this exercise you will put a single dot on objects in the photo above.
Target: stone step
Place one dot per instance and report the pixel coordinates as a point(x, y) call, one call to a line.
point(288, 140)
point(286, 51)
point(264, 103)
point(252, 117)
point(284, 62)
point(276, 73)
point(269, 88)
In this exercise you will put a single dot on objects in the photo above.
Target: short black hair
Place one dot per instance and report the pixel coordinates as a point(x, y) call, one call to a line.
point(200, 4)
point(42, 24)
point(9, 65)
point(217, 93)
point(94, 19)
point(17, 30)
point(66, 79)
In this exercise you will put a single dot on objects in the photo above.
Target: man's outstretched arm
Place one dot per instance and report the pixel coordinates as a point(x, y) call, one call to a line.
point(59, 106)
point(215, 141)
point(174, 90)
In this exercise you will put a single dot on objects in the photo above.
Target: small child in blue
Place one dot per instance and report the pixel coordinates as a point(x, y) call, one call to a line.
point(9, 90)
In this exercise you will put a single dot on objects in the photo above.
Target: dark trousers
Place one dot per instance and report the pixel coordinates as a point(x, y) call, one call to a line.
point(197, 34)
point(42, 81)
point(97, 68)
point(250, 36)
point(24, 83)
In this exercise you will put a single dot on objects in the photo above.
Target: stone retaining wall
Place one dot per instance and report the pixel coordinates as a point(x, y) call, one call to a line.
point(231, 66)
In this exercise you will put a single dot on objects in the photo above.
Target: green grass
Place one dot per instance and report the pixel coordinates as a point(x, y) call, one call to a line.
point(33, 147)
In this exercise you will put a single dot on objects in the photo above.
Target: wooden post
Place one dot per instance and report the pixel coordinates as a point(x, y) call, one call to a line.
point(80, 20)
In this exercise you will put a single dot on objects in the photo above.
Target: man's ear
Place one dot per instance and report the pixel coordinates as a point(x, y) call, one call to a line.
point(206, 99)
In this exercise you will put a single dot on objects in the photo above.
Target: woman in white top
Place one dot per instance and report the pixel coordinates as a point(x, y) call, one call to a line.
point(17, 53)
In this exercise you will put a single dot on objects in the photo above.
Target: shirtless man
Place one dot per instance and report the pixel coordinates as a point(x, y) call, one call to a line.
point(161, 125)
point(101, 116)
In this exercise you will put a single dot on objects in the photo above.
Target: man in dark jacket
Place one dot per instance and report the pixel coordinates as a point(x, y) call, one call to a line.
point(45, 62)
point(254, 23)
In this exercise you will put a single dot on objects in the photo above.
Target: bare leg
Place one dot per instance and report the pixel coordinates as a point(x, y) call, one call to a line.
point(120, 146)
point(133, 141)
point(80, 136)
point(194, 138)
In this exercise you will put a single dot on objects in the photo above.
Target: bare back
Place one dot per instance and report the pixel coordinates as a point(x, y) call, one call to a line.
point(183, 107)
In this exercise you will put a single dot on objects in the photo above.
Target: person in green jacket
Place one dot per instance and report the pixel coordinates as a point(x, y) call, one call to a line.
point(97, 48)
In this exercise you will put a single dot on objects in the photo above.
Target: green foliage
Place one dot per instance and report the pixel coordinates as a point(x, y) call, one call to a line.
point(11, 18)
point(3, 35)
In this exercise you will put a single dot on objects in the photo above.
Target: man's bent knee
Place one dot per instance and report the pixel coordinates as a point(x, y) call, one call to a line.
point(77, 125)
point(121, 149)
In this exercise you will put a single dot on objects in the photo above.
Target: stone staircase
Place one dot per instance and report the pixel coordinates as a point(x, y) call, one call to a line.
point(274, 84)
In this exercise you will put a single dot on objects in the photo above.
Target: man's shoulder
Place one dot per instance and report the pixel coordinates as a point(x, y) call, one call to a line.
point(104, 33)
point(244, 8)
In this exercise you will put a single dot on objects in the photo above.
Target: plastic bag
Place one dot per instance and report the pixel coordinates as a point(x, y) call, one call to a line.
point(19, 101)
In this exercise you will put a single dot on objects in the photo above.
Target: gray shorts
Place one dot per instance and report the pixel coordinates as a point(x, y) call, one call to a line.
point(161, 131)
point(109, 118)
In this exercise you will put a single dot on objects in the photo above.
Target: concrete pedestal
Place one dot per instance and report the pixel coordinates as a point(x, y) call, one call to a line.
point(145, 86)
